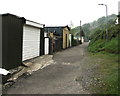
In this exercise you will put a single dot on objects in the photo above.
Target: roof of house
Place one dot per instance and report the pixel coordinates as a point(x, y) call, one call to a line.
point(57, 30)
point(58, 27)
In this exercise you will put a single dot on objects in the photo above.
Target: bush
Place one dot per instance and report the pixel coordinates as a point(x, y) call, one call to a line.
point(112, 46)
point(98, 42)
point(97, 46)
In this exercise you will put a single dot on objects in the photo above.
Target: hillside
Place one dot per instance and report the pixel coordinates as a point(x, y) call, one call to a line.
point(105, 50)
point(100, 43)
point(90, 28)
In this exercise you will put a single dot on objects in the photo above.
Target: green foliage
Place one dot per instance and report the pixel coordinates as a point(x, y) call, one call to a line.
point(101, 21)
point(96, 46)
point(96, 32)
point(100, 43)
point(103, 48)
point(75, 30)
point(113, 31)
point(108, 66)
point(108, 72)
point(112, 46)
point(89, 28)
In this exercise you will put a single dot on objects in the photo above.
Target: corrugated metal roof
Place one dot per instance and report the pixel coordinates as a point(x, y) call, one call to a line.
point(23, 18)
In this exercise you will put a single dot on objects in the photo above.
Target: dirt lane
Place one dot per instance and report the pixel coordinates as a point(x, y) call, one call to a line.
point(58, 78)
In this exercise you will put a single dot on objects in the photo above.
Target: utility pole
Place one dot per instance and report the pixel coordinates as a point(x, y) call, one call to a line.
point(80, 32)
point(119, 12)
point(106, 20)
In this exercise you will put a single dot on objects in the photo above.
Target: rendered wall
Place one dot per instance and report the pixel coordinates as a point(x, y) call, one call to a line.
point(65, 38)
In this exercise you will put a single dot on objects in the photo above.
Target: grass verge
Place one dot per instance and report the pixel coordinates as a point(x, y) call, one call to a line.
point(110, 46)
point(108, 72)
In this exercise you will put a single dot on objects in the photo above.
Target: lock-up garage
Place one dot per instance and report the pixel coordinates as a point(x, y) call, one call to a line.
point(21, 39)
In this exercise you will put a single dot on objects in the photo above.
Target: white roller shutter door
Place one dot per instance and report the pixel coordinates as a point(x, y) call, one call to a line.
point(31, 42)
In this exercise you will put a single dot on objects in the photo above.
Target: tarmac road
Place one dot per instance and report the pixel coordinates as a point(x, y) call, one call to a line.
point(57, 78)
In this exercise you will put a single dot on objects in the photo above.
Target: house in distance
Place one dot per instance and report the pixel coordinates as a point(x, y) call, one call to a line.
point(60, 35)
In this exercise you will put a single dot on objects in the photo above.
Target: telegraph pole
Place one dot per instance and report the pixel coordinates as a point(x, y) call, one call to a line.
point(80, 32)
point(106, 20)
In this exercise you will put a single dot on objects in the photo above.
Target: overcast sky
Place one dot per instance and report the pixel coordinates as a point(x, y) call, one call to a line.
point(59, 12)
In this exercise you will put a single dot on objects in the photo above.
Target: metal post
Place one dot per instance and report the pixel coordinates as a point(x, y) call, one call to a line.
point(106, 20)
point(80, 32)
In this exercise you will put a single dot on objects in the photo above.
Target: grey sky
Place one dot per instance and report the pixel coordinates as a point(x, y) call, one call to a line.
point(59, 12)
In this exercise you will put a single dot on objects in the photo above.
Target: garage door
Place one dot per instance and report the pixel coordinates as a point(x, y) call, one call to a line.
point(31, 42)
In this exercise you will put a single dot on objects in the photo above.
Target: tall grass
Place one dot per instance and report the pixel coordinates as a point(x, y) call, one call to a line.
point(108, 67)
point(108, 72)
point(110, 46)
